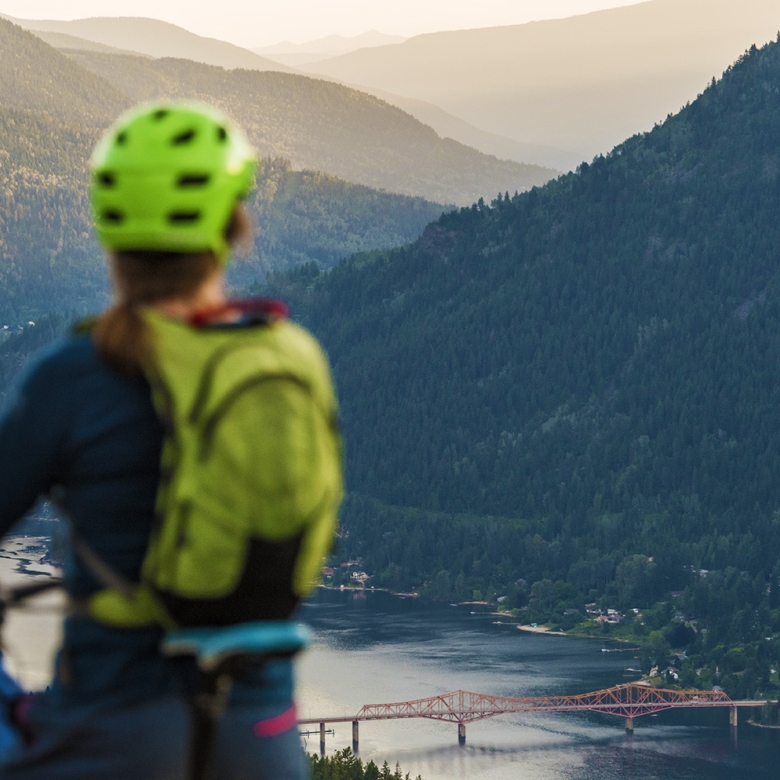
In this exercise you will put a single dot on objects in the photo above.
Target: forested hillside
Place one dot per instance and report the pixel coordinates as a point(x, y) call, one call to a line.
point(20, 344)
point(574, 393)
point(36, 77)
point(308, 217)
point(50, 262)
point(51, 113)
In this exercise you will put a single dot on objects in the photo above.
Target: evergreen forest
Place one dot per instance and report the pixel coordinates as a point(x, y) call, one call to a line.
point(345, 765)
point(306, 217)
point(569, 399)
point(559, 402)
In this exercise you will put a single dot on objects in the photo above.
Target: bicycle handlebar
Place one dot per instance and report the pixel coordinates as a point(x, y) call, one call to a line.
point(13, 597)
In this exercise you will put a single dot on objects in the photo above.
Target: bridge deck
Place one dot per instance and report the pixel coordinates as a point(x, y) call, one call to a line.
point(626, 701)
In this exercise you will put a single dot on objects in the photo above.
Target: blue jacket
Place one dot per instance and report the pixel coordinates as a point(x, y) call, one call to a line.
point(89, 438)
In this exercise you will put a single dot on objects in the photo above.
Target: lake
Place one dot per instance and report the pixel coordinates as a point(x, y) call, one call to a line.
point(373, 647)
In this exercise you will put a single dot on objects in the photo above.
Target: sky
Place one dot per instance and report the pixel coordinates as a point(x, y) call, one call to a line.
point(254, 23)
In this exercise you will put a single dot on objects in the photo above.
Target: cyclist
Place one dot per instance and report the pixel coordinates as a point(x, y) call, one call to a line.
point(84, 430)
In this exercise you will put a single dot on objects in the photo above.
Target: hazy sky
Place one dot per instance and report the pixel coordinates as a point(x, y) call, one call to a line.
point(260, 22)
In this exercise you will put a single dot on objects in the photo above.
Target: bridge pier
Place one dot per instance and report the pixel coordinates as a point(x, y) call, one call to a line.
point(630, 725)
point(461, 733)
point(355, 736)
point(322, 740)
point(733, 717)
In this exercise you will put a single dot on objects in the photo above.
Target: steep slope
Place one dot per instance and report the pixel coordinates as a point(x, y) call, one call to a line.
point(583, 83)
point(593, 365)
point(324, 126)
point(156, 39)
point(35, 77)
point(51, 113)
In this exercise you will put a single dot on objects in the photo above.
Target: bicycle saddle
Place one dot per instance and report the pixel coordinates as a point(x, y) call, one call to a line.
point(212, 647)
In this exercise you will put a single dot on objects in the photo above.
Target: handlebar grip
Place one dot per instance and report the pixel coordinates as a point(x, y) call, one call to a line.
point(11, 596)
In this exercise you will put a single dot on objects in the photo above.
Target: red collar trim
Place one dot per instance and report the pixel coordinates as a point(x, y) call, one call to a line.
point(268, 308)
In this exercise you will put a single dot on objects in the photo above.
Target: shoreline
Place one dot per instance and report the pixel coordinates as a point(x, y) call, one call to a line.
point(31, 635)
point(756, 724)
point(370, 589)
point(512, 619)
point(541, 630)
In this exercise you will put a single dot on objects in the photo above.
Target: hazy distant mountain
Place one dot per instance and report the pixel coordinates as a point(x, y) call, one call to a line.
point(333, 44)
point(65, 41)
point(154, 38)
point(582, 83)
point(450, 126)
point(50, 261)
point(295, 54)
point(321, 125)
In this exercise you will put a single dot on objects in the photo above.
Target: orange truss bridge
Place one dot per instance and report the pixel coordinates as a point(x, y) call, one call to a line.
point(627, 701)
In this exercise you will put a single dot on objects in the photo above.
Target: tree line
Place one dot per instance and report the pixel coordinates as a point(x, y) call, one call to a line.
point(571, 395)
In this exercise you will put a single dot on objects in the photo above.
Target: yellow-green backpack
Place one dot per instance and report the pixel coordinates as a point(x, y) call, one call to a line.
point(251, 476)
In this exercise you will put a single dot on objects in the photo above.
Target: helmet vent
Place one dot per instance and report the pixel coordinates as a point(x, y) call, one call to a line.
point(183, 217)
point(121, 139)
point(193, 180)
point(160, 114)
point(113, 217)
point(107, 179)
point(184, 138)
point(221, 134)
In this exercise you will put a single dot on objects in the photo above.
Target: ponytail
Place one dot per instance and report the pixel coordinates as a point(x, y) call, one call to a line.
point(121, 339)
point(141, 279)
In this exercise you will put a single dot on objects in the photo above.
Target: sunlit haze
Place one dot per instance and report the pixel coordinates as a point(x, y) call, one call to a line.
point(259, 24)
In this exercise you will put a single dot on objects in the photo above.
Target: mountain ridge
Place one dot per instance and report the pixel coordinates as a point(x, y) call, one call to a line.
point(446, 125)
point(155, 38)
point(321, 125)
point(109, 35)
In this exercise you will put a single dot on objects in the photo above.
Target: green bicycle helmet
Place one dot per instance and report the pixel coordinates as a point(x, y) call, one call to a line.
point(166, 176)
